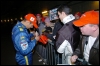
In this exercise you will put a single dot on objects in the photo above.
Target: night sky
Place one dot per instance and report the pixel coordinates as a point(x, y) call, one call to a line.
point(11, 9)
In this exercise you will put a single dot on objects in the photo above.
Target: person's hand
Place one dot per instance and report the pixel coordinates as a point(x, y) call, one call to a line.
point(73, 58)
point(54, 36)
point(36, 33)
point(37, 38)
point(49, 40)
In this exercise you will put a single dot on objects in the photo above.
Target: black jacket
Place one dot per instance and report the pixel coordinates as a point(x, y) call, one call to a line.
point(94, 51)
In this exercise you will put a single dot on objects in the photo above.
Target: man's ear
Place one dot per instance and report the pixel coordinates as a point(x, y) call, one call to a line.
point(63, 13)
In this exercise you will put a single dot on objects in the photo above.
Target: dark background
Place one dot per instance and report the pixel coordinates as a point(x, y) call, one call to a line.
point(20, 8)
point(16, 9)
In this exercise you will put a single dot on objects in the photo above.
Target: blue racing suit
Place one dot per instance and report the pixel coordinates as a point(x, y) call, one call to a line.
point(23, 44)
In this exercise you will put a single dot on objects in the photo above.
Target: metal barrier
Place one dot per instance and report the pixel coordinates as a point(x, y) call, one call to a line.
point(52, 56)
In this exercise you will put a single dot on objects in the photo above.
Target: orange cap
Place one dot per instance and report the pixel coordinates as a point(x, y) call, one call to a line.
point(35, 24)
point(31, 18)
point(43, 39)
point(89, 17)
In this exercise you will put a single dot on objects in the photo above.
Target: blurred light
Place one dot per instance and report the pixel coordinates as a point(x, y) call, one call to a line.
point(1, 20)
point(5, 20)
point(8, 20)
point(95, 4)
point(15, 18)
point(21, 18)
point(11, 19)
point(44, 12)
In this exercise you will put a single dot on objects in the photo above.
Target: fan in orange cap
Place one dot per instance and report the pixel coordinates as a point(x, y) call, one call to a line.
point(32, 19)
point(42, 18)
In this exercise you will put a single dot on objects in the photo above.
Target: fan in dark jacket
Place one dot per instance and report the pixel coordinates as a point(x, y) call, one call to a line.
point(88, 49)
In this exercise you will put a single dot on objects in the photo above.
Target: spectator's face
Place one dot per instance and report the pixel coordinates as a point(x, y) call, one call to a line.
point(61, 16)
point(88, 29)
point(47, 24)
point(38, 18)
point(77, 17)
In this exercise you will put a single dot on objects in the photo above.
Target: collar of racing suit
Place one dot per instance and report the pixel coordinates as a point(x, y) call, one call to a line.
point(21, 25)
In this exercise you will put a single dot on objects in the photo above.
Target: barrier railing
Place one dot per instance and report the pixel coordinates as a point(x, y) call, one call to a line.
point(51, 54)
point(52, 57)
